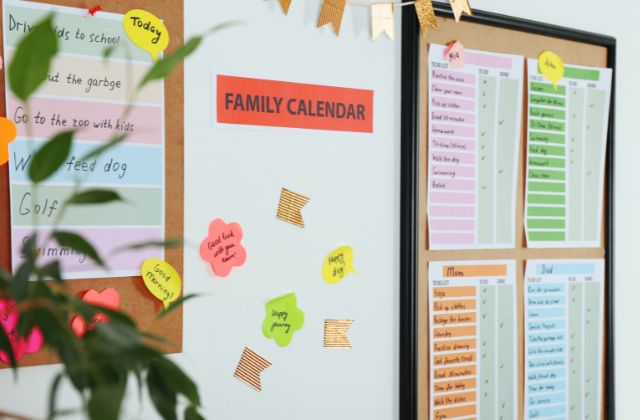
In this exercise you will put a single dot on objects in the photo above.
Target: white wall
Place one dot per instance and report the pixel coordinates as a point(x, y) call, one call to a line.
point(620, 20)
point(358, 62)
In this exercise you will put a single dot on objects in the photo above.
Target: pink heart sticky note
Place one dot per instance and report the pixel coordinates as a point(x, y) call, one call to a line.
point(108, 298)
point(222, 247)
point(455, 54)
point(9, 322)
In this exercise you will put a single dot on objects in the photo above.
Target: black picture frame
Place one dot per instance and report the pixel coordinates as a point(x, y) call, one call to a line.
point(409, 215)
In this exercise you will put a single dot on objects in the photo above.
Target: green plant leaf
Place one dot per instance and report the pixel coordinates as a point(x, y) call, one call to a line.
point(191, 413)
point(53, 394)
point(108, 52)
point(105, 401)
point(163, 67)
point(32, 60)
point(176, 380)
point(170, 243)
point(51, 271)
point(20, 281)
point(176, 304)
point(94, 196)
point(48, 159)
point(103, 148)
point(163, 399)
point(78, 243)
point(118, 336)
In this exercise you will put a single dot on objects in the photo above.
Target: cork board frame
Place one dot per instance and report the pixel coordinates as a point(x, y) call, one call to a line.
point(496, 33)
point(135, 299)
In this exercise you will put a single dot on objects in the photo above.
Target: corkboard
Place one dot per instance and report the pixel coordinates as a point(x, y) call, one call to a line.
point(135, 300)
point(500, 40)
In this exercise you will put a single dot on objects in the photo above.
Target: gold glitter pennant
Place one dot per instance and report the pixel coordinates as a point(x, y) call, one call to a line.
point(382, 20)
point(285, 5)
point(335, 336)
point(250, 367)
point(460, 6)
point(331, 12)
point(426, 16)
point(290, 207)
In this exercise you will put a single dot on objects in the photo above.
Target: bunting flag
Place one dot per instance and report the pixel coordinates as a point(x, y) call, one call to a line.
point(382, 20)
point(331, 12)
point(285, 5)
point(426, 16)
point(290, 207)
point(460, 6)
point(250, 367)
point(335, 333)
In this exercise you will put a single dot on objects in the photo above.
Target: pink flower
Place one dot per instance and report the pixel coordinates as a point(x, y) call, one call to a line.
point(222, 247)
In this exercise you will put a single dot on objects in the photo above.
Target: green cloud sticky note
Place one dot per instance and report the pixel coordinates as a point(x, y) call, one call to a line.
point(282, 319)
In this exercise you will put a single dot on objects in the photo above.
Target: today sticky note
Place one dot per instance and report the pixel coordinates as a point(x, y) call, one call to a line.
point(282, 319)
point(338, 264)
point(222, 247)
point(146, 31)
point(162, 280)
point(551, 66)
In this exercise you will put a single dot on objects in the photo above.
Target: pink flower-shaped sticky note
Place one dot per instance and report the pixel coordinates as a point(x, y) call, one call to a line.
point(455, 54)
point(222, 247)
point(9, 322)
point(108, 298)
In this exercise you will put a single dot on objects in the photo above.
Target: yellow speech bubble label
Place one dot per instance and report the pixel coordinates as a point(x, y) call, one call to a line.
point(337, 265)
point(162, 280)
point(146, 31)
point(551, 66)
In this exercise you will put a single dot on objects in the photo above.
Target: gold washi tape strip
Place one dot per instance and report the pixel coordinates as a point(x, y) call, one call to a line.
point(335, 333)
point(290, 207)
point(250, 367)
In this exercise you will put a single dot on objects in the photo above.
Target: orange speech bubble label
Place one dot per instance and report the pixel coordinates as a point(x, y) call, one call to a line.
point(8, 133)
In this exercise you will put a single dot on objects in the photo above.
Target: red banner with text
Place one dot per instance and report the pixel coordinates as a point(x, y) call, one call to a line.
point(247, 101)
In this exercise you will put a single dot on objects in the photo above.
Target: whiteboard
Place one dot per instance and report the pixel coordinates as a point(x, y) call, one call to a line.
point(352, 180)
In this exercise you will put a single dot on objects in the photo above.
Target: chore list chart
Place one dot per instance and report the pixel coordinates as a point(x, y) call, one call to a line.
point(563, 339)
point(90, 95)
point(473, 142)
point(567, 139)
point(473, 340)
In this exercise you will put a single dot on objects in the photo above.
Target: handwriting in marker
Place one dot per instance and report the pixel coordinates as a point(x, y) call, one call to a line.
point(95, 10)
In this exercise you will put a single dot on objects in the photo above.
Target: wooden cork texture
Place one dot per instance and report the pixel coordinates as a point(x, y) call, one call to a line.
point(135, 300)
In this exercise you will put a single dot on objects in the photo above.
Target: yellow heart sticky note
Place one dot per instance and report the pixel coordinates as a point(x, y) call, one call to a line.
point(146, 31)
point(551, 66)
point(162, 280)
point(337, 265)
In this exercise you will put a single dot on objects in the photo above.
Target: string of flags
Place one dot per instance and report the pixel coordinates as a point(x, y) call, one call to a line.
point(382, 21)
